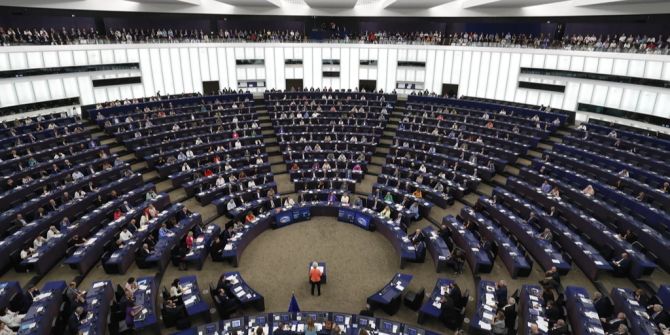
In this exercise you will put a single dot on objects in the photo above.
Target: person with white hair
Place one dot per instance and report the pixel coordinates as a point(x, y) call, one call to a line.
point(315, 277)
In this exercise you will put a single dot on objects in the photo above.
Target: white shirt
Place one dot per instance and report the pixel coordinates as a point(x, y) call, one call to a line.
point(125, 235)
point(52, 233)
point(77, 175)
point(231, 204)
point(220, 181)
point(251, 184)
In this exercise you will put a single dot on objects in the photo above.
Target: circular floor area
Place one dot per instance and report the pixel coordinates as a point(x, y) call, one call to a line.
point(359, 263)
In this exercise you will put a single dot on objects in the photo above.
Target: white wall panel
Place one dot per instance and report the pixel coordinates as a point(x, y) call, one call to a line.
point(18, 61)
point(185, 65)
point(614, 97)
point(8, 96)
point(564, 62)
point(599, 95)
point(646, 102)
point(591, 64)
point(107, 57)
point(513, 76)
point(41, 89)
point(571, 96)
point(4, 62)
point(577, 63)
point(120, 56)
point(636, 68)
point(503, 72)
point(93, 57)
point(72, 88)
point(620, 67)
point(203, 63)
point(484, 75)
point(430, 64)
point(24, 92)
point(605, 65)
point(463, 86)
point(585, 93)
point(439, 71)
point(157, 70)
point(195, 69)
point(175, 66)
point(308, 79)
point(662, 103)
point(66, 58)
point(56, 88)
point(382, 64)
point(35, 60)
point(629, 99)
point(482, 72)
point(653, 70)
point(168, 76)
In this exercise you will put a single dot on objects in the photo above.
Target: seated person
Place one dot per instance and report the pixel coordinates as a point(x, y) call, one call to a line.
point(386, 212)
point(456, 260)
point(414, 211)
point(589, 191)
point(345, 198)
point(417, 193)
point(552, 279)
point(612, 325)
point(250, 217)
point(622, 265)
point(388, 197)
point(416, 238)
point(10, 318)
point(546, 235)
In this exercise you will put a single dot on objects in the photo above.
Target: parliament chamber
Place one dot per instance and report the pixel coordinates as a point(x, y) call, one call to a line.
point(273, 167)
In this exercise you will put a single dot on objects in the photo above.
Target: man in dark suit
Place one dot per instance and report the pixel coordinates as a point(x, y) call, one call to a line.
point(501, 293)
point(455, 293)
point(612, 325)
point(659, 316)
point(622, 265)
point(551, 278)
point(602, 305)
point(143, 253)
point(510, 315)
point(553, 313)
point(75, 320)
point(560, 328)
point(216, 249)
point(416, 237)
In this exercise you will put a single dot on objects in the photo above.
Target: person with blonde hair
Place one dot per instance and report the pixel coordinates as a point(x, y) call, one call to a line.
point(315, 277)
point(310, 329)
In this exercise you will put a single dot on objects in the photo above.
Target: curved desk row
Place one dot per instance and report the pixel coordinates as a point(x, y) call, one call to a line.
point(362, 217)
point(294, 323)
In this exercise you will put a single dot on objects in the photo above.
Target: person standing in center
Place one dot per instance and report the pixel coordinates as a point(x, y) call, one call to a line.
point(315, 277)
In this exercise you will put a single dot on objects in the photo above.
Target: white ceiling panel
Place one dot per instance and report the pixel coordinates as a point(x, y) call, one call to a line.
point(331, 3)
point(506, 3)
point(253, 3)
point(178, 2)
point(609, 2)
point(414, 3)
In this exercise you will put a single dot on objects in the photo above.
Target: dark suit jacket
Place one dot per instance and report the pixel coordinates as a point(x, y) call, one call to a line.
point(559, 331)
point(74, 322)
point(510, 315)
point(661, 317)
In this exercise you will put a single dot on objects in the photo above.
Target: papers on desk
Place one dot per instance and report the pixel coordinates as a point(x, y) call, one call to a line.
point(99, 284)
point(399, 286)
point(437, 304)
point(487, 316)
point(191, 300)
point(484, 325)
point(143, 287)
point(228, 247)
point(42, 296)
